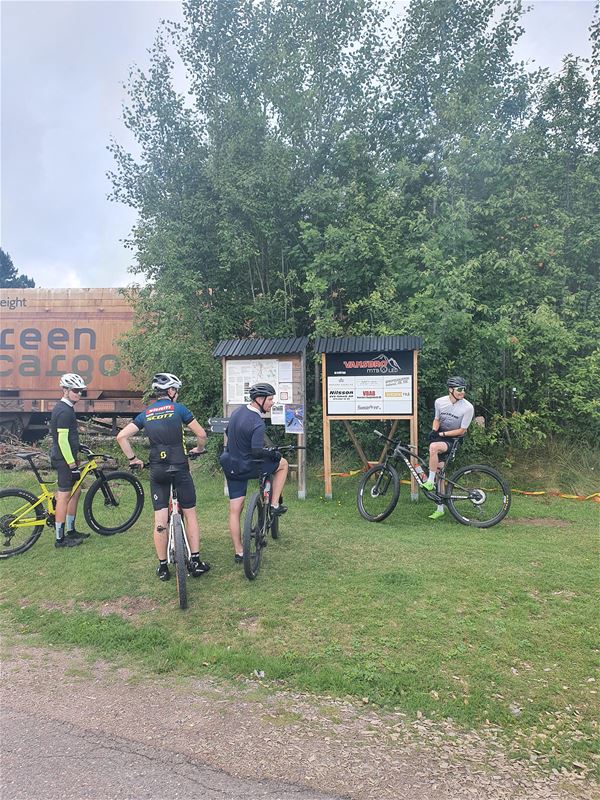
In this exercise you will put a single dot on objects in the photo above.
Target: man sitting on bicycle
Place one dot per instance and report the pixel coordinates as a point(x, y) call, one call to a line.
point(453, 415)
point(245, 457)
point(163, 422)
point(63, 457)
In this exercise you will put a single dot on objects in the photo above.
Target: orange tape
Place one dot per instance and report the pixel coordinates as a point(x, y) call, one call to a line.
point(595, 498)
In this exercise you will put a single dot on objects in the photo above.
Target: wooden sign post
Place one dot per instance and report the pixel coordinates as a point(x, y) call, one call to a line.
point(368, 377)
point(280, 362)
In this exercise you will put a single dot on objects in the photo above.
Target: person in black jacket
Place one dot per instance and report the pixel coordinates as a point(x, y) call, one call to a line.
point(246, 457)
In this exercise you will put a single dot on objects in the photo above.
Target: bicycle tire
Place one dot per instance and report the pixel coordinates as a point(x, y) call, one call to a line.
point(378, 493)
point(113, 503)
point(484, 498)
point(11, 501)
point(253, 536)
point(180, 560)
point(274, 526)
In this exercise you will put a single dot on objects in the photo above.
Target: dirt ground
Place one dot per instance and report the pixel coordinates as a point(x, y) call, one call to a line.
point(249, 729)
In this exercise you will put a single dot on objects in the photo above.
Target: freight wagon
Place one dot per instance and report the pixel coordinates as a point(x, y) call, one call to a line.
point(47, 332)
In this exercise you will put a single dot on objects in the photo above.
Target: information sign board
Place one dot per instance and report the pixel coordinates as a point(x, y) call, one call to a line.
point(370, 385)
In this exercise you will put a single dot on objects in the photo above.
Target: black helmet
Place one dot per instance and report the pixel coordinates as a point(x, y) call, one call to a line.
point(456, 381)
point(261, 390)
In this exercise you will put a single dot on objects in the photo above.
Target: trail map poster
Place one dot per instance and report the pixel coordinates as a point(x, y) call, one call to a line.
point(241, 375)
point(378, 384)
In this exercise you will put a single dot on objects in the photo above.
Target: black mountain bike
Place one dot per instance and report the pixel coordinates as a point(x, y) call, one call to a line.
point(112, 504)
point(476, 495)
point(260, 520)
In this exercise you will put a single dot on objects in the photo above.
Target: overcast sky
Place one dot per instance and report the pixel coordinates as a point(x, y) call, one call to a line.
point(62, 69)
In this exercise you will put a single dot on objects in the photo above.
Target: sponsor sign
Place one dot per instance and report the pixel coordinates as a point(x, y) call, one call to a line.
point(377, 384)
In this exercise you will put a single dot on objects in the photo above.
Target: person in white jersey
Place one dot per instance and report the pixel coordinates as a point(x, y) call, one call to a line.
point(453, 415)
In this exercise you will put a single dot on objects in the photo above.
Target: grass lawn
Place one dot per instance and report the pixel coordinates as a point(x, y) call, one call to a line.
point(495, 627)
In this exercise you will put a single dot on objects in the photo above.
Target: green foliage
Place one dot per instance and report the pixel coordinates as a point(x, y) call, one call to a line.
point(9, 277)
point(333, 172)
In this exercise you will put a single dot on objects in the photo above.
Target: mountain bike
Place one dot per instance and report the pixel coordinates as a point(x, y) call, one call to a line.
point(112, 504)
point(260, 520)
point(179, 552)
point(476, 495)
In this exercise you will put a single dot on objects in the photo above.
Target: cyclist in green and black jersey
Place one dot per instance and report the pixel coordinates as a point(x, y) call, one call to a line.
point(63, 457)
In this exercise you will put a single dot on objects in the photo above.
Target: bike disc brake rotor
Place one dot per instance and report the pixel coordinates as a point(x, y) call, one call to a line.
point(477, 497)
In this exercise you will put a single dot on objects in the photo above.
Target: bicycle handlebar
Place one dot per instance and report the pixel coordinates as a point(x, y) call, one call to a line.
point(284, 448)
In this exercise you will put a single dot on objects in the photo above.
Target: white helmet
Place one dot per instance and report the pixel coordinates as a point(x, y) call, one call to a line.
point(72, 381)
point(165, 380)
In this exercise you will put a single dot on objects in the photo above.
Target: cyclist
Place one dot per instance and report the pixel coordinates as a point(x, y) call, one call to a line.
point(63, 457)
point(163, 422)
point(453, 415)
point(245, 457)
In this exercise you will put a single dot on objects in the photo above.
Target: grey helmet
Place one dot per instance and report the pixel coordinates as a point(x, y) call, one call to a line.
point(456, 381)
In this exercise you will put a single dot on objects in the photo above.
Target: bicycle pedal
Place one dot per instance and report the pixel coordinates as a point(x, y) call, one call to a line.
point(50, 520)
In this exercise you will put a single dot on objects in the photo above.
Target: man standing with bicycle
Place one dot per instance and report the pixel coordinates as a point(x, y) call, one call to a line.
point(246, 457)
point(164, 423)
point(63, 457)
point(453, 415)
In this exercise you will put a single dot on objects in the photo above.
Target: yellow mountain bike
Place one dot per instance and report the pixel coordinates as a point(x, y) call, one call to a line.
point(112, 504)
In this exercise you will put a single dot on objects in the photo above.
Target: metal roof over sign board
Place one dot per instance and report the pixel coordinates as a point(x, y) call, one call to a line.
point(366, 344)
point(256, 348)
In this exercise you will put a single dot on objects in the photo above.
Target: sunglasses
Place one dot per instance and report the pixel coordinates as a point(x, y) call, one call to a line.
point(77, 391)
point(460, 388)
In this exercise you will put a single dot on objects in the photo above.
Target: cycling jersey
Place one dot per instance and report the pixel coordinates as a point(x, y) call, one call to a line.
point(164, 421)
point(453, 415)
point(63, 419)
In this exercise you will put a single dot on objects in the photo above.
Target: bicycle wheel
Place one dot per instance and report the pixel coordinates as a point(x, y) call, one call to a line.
point(180, 560)
point(254, 536)
point(274, 526)
point(378, 493)
point(113, 503)
point(478, 496)
point(15, 506)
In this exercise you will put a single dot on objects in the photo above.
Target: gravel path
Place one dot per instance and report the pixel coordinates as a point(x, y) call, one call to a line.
point(252, 731)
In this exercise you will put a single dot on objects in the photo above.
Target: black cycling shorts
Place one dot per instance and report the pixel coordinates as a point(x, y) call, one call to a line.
point(449, 440)
point(237, 484)
point(160, 486)
point(66, 480)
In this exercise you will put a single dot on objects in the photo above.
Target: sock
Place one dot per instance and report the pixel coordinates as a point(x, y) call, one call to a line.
point(195, 556)
point(70, 522)
point(440, 508)
point(274, 505)
point(162, 562)
point(60, 531)
point(431, 477)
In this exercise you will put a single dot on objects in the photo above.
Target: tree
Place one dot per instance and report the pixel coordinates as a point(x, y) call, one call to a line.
point(9, 277)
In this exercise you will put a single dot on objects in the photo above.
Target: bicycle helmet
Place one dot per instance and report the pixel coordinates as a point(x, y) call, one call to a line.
point(165, 380)
point(262, 390)
point(456, 381)
point(71, 380)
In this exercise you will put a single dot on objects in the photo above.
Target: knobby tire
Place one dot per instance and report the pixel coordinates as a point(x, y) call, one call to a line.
point(253, 536)
point(378, 493)
point(113, 503)
point(478, 496)
point(17, 540)
point(180, 560)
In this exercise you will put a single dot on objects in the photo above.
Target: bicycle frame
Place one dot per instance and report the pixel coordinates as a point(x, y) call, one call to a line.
point(404, 453)
point(47, 496)
point(173, 511)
